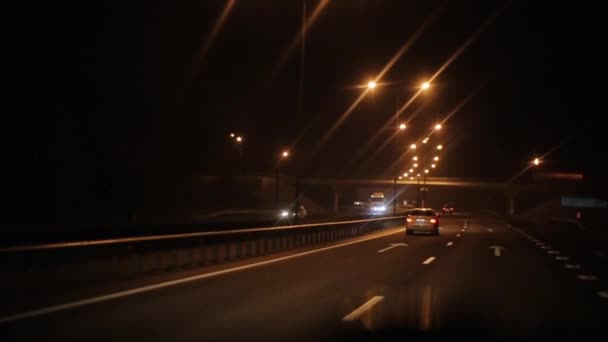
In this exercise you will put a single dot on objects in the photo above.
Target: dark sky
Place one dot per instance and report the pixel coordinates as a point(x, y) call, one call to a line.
point(96, 98)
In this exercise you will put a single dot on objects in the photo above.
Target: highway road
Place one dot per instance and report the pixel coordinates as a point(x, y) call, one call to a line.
point(479, 278)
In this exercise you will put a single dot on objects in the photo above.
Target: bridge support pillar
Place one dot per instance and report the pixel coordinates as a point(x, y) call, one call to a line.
point(336, 202)
point(511, 195)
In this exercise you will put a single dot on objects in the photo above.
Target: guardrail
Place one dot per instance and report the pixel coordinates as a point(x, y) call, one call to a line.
point(65, 265)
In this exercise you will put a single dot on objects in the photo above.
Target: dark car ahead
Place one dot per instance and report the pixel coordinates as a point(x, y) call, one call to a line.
point(448, 209)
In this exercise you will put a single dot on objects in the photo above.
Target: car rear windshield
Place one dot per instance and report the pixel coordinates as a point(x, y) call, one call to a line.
point(422, 213)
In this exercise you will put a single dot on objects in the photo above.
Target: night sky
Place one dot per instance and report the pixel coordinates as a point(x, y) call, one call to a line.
point(107, 99)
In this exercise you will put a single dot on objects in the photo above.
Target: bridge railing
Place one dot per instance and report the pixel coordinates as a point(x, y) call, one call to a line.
point(74, 264)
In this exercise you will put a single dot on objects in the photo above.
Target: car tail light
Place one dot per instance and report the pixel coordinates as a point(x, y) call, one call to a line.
point(408, 219)
point(433, 220)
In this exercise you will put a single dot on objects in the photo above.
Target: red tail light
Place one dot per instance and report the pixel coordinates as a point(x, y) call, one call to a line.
point(433, 220)
point(408, 219)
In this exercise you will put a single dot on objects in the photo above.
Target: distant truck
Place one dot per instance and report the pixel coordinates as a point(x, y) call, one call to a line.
point(377, 203)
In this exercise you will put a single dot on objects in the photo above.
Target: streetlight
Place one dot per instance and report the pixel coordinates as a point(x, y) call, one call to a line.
point(415, 164)
point(405, 174)
point(413, 146)
point(415, 158)
point(425, 140)
point(433, 166)
point(425, 85)
point(411, 170)
point(436, 158)
point(371, 85)
point(399, 177)
point(438, 127)
point(239, 142)
point(426, 170)
point(440, 147)
point(536, 161)
point(402, 126)
point(283, 156)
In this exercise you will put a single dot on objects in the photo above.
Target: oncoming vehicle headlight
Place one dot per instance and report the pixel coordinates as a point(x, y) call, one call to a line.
point(284, 213)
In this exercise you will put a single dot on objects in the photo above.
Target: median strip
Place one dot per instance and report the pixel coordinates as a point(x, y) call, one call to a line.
point(138, 290)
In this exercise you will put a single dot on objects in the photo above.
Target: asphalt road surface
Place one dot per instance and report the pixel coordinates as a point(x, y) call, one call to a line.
point(478, 278)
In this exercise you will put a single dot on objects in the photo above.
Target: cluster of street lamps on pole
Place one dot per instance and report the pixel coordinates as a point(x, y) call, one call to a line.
point(422, 165)
point(371, 85)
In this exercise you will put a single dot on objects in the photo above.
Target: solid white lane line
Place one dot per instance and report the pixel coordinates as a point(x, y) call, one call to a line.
point(362, 309)
point(587, 277)
point(449, 243)
point(428, 261)
point(457, 235)
point(552, 252)
point(603, 294)
point(392, 245)
point(573, 266)
point(103, 298)
point(561, 258)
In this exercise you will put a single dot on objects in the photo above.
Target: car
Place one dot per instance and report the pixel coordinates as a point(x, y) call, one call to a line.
point(290, 214)
point(422, 220)
point(447, 209)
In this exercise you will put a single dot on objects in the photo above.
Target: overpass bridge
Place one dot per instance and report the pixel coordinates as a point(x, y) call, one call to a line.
point(510, 189)
point(337, 186)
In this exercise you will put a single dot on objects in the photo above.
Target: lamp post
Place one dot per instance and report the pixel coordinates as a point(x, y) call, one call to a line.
point(284, 155)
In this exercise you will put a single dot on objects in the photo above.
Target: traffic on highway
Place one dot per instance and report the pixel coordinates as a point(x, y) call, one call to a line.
point(305, 170)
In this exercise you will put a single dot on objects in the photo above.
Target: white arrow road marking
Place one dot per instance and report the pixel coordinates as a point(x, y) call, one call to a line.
point(561, 258)
point(573, 266)
point(587, 277)
point(362, 309)
point(449, 243)
point(603, 294)
point(496, 250)
point(392, 245)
